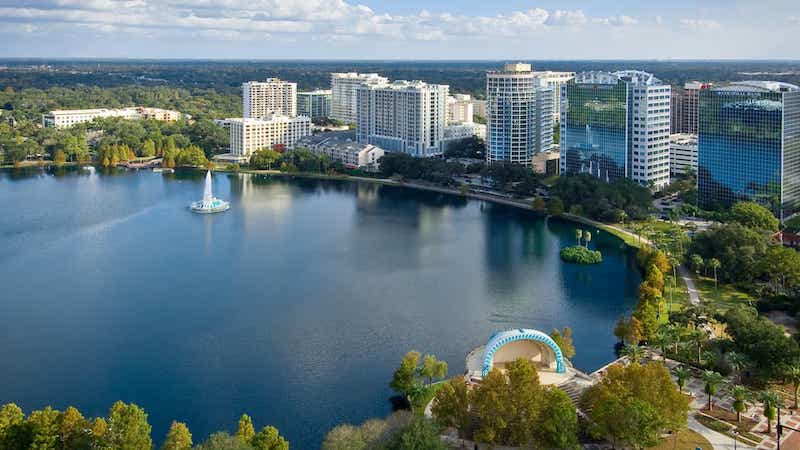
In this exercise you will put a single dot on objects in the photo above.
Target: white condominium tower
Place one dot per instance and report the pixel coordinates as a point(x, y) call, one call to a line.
point(343, 93)
point(554, 80)
point(519, 111)
point(273, 96)
point(616, 125)
point(403, 116)
point(248, 135)
point(460, 109)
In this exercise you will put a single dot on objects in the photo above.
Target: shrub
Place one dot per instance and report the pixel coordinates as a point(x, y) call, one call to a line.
point(581, 255)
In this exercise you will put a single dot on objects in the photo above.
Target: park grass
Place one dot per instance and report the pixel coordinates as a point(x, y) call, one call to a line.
point(678, 294)
point(721, 297)
point(684, 440)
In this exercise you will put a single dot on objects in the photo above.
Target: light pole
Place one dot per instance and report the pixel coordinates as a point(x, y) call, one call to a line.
point(779, 428)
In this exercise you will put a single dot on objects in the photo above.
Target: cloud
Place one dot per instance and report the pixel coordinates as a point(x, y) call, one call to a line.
point(701, 24)
point(230, 19)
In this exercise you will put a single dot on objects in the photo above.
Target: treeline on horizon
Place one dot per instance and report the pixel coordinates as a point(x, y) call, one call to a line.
point(462, 76)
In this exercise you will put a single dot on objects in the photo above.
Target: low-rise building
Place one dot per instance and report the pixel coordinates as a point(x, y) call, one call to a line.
point(457, 133)
point(65, 118)
point(682, 154)
point(546, 163)
point(343, 147)
point(248, 135)
point(460, 109)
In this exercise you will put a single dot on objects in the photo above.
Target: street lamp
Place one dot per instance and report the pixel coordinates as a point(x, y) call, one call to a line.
point(779, 428)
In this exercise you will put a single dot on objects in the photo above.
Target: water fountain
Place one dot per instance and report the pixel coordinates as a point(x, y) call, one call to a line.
point(209, 204)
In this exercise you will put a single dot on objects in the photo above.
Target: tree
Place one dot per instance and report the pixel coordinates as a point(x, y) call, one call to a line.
point(344, 437)
point(634, 405)
point(753, 215)
point(71, 429)
point(737, 363)
point(558, 427)
point(99, 428)
point(404, 381)
point(740, 396)
point(245, 431)
point(451, 404)
point(149, 149)
point(60, 158)
point(191, 156)
point(44, 426)
point(770, 401)
point(621, 329)
point(128, 428)
point(432, 368)
point(538, 205)
point(10, 415)
point(178, 437)
point(564, 341)
point(578, 236)
point(269, 439)
point(635, 331)
point(682, 374)
point(697, 263)
point(420, 434)
point(714, 264)
point(711, 380)
point(264, 159)
point(793, 376)
point(633, 352)
point(223, 441)
point(555, 207)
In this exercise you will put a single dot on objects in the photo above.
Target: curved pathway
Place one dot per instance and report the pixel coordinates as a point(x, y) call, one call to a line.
point(694, 298)
point(718, 440)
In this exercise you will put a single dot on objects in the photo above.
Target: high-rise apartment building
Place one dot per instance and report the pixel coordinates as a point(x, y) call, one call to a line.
point(314, 104)
point(343, 93)
point(554, 80)
point(459, 109)
point(403, 116)
point(685, 107)
point(519, 111)
point(676, 119)
point(248, 135)
point(273, 96)
point(616, 125)
point(749, 146)
point(682, 154)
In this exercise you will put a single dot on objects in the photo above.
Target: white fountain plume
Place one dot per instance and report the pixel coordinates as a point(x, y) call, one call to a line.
point(207, 195)
point(209, 203)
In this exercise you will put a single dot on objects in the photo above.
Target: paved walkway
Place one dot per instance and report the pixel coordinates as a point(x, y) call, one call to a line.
point(718, 440)
point(694, 298)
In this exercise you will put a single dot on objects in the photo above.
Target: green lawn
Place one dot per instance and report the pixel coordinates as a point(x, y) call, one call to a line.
point(677, 297)
point(721, 297)
point(684, 440)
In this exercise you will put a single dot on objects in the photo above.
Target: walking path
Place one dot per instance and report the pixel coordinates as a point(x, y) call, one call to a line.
point(694, 298)
point(718, 440)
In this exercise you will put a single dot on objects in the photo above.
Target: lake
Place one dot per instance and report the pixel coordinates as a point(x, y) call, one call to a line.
point(295, 306)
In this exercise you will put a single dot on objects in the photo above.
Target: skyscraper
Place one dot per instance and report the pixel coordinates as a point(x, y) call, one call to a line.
point(403, 116)
point(343, 93)
point(554, 80)
point(314, 104)
point(749, 146)
point(616, 125)
point(519, 111)
point(273, 96)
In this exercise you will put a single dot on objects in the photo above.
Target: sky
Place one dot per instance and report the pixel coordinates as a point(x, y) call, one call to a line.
point(401, 29)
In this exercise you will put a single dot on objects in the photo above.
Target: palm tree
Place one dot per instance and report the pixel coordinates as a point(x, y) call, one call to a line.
point(697, 263)
point(682, 374)
point(714, 264)
point(741, 395)
point(712, 380)
point(770, 401)
point(793, 375)
point(698, 337)
point(737, 362)
point(662, 340)
point(633, 352)
point(578, 235)
point(587, 236)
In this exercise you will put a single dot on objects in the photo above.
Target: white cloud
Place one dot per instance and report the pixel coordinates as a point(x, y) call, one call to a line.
point(229, 19)
point(701, 24)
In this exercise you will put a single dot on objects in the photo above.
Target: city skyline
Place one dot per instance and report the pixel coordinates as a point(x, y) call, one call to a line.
point(371, 29)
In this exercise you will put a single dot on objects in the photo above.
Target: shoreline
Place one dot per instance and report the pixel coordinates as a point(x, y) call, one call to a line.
point(629, 238)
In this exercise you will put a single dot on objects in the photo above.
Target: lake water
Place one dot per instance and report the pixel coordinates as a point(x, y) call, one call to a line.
point(295, 306)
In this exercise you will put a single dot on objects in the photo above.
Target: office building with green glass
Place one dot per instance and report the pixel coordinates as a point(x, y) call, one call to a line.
point(749, 146)
point(616, 125)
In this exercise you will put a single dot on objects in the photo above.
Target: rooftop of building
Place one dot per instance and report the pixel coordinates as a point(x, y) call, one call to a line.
point(758, 86)
point(405, 85)
point(268, 118)
point(102, 110)
point(683, 138)
point(355, 75)
point(269, 81)
point(636, 77)
point(316, 92)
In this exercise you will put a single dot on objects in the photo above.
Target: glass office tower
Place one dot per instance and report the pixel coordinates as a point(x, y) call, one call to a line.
point(594, 120)
point(749, 146)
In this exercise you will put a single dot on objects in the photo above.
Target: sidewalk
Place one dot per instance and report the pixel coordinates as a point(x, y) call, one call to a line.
point(718, 440)
point(694, 298)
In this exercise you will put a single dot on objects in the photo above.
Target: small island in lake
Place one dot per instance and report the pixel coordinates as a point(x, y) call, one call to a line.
point(578, 253)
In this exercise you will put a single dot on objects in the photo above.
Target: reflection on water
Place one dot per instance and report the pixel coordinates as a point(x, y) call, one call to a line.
point(294, 306)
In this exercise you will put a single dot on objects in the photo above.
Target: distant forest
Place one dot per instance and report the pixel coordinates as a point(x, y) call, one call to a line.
point(462, 76)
